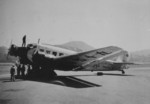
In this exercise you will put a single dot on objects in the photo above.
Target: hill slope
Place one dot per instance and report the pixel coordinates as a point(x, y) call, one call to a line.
point(140, 56)
point(77, 46)
point(3, 55)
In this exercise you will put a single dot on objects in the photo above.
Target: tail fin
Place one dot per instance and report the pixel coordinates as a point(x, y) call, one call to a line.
point(122, 58)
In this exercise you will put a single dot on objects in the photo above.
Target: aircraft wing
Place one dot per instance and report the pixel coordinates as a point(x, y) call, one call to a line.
point(85, 58)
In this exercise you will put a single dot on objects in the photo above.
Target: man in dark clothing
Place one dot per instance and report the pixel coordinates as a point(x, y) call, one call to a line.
point(12, 73)
point(24, 41)
point(29, 70)
point(18, 69)
point(23, 70)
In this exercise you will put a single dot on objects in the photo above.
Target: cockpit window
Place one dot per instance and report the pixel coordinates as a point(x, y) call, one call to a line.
point(34, 46)
point(31, 46)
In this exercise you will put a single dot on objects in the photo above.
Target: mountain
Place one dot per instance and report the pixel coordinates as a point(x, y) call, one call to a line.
point(140, 56)
point(77, 46)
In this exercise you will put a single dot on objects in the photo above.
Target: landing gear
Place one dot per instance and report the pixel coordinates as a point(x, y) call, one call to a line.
point(99, 73)
point(52, 74)
point(47, 74)
point(41, 73)
point(123, 72)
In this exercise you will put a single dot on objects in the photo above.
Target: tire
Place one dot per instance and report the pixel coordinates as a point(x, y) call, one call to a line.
point(99, 73)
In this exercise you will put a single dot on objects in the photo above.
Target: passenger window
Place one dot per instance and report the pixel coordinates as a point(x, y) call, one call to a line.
point(48, 52)
point(61, 54)
point(55, 53)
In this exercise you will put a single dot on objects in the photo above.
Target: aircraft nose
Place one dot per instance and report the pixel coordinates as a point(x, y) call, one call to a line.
point(10, 50)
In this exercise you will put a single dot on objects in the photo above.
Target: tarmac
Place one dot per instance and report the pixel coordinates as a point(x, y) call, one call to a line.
point(78, 88)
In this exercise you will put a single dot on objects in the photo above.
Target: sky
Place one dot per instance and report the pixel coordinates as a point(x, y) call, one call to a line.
point(99, 23)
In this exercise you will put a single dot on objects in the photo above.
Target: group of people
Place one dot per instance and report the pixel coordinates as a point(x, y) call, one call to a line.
point(19, 67)
point(22, 71)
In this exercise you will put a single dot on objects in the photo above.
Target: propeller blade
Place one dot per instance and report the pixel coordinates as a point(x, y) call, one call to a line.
point(11, 42)
point(9, 49)
point(39, 41)
point(7, 55)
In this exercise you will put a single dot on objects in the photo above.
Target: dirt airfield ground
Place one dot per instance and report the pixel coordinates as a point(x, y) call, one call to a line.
point(78, 88)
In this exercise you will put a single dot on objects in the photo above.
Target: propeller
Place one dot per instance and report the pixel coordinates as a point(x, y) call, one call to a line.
point(39, 41)
point(9, 49)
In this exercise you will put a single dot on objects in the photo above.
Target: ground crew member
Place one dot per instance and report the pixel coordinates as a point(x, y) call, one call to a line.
point(24, 41)
point(12, 73)
point(18, 70)
point(23, 70)
point(29, 70)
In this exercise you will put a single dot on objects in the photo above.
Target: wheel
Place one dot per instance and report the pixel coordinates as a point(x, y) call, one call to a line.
point(99, 73)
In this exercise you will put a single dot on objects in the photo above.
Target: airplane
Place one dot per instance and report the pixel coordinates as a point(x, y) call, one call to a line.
point(118, 63)
point(46, 59)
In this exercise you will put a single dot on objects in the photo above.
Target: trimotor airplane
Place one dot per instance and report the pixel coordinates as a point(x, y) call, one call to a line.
point(45, 59)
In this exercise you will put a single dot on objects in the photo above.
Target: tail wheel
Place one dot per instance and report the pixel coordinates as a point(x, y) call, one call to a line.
point(123, 72)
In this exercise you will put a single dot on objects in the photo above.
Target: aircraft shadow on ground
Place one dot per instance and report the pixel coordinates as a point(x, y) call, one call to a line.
point(68, 81)
point(72, 81)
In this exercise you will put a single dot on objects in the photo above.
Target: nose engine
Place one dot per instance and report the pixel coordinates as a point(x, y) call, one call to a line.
point(12, 50)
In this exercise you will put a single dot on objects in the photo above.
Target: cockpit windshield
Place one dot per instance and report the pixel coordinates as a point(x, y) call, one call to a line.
point(31, 46)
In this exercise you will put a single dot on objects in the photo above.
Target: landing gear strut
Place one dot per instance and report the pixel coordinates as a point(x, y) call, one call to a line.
point(48, 74)
point(52, 74)
point(123, 72)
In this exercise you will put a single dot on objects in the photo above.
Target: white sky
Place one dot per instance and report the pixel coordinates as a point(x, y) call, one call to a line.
point(99, 23)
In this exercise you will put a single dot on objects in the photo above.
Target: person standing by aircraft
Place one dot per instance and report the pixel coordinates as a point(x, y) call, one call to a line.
point(29, 70)
point(18, 69)
point(23, 70)
point(24, 41)
point(12, 73)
